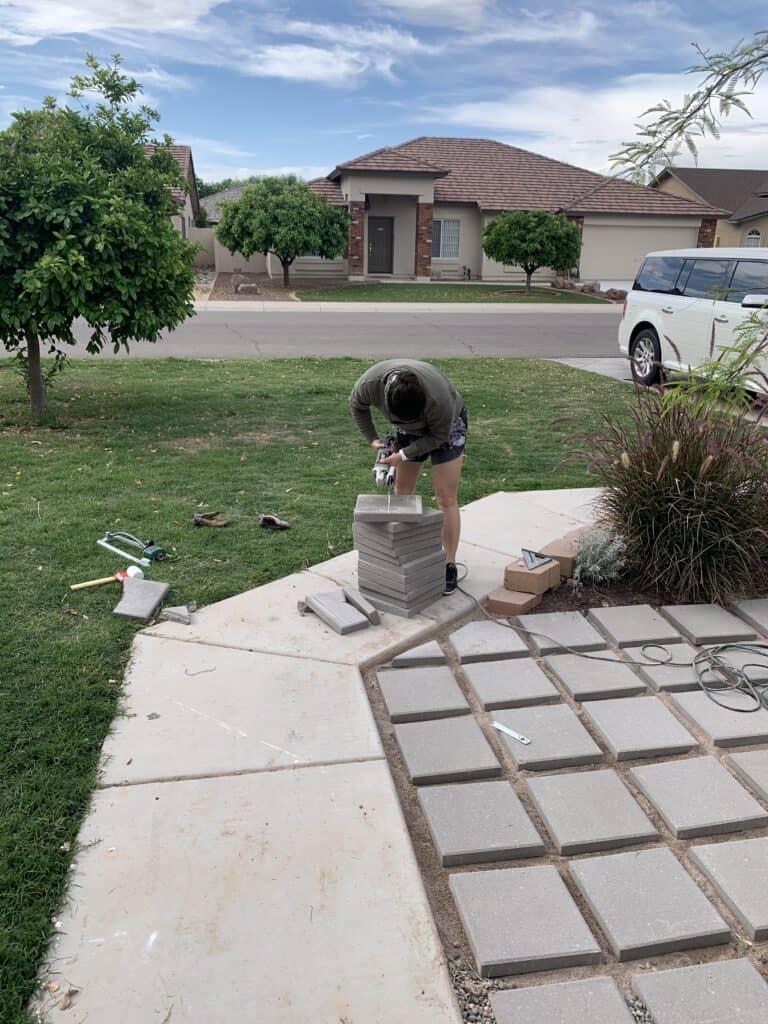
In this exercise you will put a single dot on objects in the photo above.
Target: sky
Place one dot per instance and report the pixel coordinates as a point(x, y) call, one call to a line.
point(258, 87)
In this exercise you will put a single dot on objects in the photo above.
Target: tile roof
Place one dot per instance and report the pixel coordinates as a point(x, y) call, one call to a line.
point(743, 192)
point(390, 159)
point(328, 189)
point(183, 157)
point(212, 203)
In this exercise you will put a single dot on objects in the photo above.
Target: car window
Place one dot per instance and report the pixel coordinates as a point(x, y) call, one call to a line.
point(708, 279)
point(749, 278)
point(658, 274)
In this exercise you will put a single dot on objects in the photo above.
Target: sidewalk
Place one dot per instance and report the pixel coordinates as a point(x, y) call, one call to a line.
point(247, 306)
point(245, 857)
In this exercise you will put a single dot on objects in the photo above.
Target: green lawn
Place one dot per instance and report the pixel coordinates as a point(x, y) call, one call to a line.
point(456, 292)
point(141, 446)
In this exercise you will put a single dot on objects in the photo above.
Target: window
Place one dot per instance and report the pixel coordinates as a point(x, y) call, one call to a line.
point(749, 278)
point(445, 239)
point(659, 274)
point(752, 241)
point(709, 279)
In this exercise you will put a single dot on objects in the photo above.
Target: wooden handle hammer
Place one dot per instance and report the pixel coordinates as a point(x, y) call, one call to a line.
point(133, 571)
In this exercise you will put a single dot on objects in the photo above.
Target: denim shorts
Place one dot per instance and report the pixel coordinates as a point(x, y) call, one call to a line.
point(449, 450)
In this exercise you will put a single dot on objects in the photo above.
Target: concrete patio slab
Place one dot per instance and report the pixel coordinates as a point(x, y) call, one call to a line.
point(522, 919)
point(707, 623)
point(478, 822)
point(553, 631)
point(589, 811)
point(647, 904)
point(487, 641)
point(243, 876)
point(754, 613)
point(739, 873)
point(446, 750)
point(415, 694)
point(666, 678)
point(590, 679)
point(513, 683)
point(723, 992)
point(721, 726)
point(629, 625)
point(698, 797)
point(507, 522)
point(639, 727)
point(557, 737)
point(575, 502)
point(597, 1000)
point(752, 767)
point(193, 711)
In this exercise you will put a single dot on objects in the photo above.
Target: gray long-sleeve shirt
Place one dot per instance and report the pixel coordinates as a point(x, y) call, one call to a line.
point(433, 427)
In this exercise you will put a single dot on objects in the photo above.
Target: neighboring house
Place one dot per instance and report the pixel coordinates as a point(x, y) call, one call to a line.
point(187, 199)
point(743, 193)
point(418, 211)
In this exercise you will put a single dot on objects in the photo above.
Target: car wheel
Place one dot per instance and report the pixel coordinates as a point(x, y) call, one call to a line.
point(645, 355)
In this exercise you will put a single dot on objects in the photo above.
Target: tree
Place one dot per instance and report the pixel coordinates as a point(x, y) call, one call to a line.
point(209, 188)
point(283, 216)
point(531, 239)
point(85, 227)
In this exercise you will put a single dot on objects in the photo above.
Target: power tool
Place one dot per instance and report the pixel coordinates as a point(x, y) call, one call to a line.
point(384, 475)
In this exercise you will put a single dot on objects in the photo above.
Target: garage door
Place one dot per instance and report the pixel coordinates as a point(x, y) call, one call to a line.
point(613, 251)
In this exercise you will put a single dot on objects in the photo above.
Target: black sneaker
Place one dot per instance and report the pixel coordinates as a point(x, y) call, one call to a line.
point(451, 578)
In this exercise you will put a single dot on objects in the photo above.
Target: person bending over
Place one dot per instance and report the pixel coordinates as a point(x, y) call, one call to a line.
point(430, 422)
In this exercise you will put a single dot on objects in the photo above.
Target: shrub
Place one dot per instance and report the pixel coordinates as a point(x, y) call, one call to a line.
point(601, 557)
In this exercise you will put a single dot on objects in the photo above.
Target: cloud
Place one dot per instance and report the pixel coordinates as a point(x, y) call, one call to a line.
point(544, 27)
point(362, 37)
point(299, 63)
point(442, 12)
point(32, 20)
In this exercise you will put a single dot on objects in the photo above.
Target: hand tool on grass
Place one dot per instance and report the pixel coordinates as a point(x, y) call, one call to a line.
point(132, 572)
point(150, 552)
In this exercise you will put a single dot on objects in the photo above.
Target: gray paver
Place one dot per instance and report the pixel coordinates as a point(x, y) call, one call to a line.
point(333, 609)
point(356, 599)
point(387, 508)
point(752, 766)
point(754, 612)
point(639, 727)
point(141, 599)
point(414, 694)
point(487, 641)
point(399, 587)
point(587, 679)
point(698, 797)
point(751, 658)
point(558, 739)
point(522, 919)
point(409, 572)
point(646, 903)
point(446, 750)
point(739, 873)
point(406, 609)
point(595, 1000)
point(479, 821)
point(589, 811)
point(707, 623)
point(566, 629)
point(429, 653)
point(724, 992)
point(721, 726)
point(634, 624)
point(679, 675)
point(510, 684)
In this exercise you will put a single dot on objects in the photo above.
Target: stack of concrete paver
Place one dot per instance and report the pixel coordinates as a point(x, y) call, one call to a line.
point(401, 567)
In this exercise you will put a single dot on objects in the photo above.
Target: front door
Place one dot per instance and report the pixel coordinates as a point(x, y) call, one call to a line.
point(380, 245)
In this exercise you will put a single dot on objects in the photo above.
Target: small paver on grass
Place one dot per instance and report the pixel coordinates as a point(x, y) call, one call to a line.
point(723, 992)
point(639, 727)
point(647, 904)
point(590, 1001)
point(707, 623)
point(522, 919)
point(478, 821)
point(557, 737)
point(678, 675)
point(415, 694)
point(589, 811)
point(698, 797)
point(429, 653)
point(739, 873)
point(487, 641)
point(589, 679)
point(721, 726)
point(513, 683)
point(752, 767)
point(634, 624)
point(446, 750)
point(553, 631)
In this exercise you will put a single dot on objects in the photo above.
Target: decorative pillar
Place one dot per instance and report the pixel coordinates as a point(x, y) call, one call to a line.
point(356, 243)
point(423, 261)
point(707, 231)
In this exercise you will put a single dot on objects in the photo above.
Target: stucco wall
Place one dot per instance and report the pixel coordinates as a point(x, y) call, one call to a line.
point(204, 237)
point(232, 262)
point(614, 247)
point(728, 234)
point(355, 187)
point(403, 210)
point(470, 250)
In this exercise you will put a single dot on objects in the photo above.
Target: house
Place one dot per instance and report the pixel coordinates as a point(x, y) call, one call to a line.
point(418, 211)
point(187, 199)
point(743, 193)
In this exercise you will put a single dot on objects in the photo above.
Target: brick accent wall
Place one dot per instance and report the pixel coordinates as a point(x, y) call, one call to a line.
point(423, 262)
point(356, 243)
point(707, 230)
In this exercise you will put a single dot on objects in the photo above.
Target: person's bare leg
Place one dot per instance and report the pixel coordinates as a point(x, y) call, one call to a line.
point(445, 478)
point(407, 476)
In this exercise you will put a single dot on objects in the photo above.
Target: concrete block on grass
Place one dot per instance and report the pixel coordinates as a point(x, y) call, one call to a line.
point(415, 694)
point(590, 679)
point(550, 632)
point(387, 508)
point(477, 822)
point(589, 1001)
point(487, 641)
point(721, 726)
point(558, 739)
point(522, 919)
point(633, 624)
point(639, 727)
point(141, 599)
point(517, 576)
point(446, 750)
point(512, 683)
point(510, 603)
point(752, 767)
point(722, 992)
point(707, 623)
point(429, 653)
point(738, 871)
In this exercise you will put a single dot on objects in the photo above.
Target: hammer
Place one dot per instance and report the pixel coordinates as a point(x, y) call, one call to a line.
point(132, 572)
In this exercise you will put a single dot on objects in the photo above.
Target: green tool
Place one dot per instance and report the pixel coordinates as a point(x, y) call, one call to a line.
point(150, 552)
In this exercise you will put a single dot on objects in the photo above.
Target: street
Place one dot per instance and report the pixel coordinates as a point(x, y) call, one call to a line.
point(249, 334)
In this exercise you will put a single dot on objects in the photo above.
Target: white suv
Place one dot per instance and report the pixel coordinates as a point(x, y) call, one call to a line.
point(684, 299)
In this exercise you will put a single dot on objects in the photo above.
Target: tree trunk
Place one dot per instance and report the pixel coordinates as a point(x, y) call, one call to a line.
point(35, 385)
point(286, 272)
point(528, 276)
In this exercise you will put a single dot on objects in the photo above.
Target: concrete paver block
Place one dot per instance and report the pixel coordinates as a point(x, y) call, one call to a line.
point(410, 571)
point(679, 675)
point(564, 550)
point(595, 1000)
point(752, 767)
point(557, 737)
point(707, 623)
point(754, 613)
point(415, 694)
point(510, 603)
point(590, 679)
point(487, 641)
point(402, 590)
point(634, 624)
point(478, 822)
point(430, 653)
point(141, 599)
point(430, 519)
point(446, 750)
point(561, 629)
point(409, 608)
point(512, 683)
point(517, 576)
point(739, 873)
point(647, 904)
point(333, 609)
point(589, 811)
point(698, 797)
point(522, 919)
point(237, 874)
point(723, 992)
point(387, 508)
point(721, 726)
point(356, 599)
point(639, 727)
point(751, 658)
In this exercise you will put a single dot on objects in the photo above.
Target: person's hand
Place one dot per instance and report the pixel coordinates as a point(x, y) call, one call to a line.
point(392, 460)
point(377, 444)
